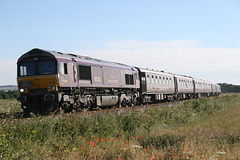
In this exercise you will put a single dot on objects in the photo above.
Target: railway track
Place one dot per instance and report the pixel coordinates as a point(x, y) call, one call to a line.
point(20, 115)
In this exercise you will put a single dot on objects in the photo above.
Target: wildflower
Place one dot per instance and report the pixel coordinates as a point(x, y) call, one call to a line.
point(75, 155)
point(140, 136)
point(156, 147)
point(120, 133)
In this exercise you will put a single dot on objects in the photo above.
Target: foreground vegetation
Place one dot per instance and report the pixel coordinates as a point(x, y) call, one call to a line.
point(206, 128)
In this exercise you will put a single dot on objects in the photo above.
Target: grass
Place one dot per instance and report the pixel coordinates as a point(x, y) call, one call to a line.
point(206, 128)
point(8, 106)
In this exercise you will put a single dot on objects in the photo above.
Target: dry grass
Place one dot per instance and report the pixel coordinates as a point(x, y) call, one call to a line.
point(207, 128)
point(9, 106)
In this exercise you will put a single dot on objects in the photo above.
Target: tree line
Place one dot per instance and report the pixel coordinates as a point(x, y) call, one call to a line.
point(229, 88)
point(9, 94)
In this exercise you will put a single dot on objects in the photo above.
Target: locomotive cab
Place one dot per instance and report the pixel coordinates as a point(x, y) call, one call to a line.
point(37, 81)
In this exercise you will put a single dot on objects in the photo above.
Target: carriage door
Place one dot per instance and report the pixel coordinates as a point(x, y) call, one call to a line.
point(74, 70)
point(143, 82)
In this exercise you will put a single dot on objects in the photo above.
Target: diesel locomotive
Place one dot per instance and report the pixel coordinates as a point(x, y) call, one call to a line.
point(50, 81)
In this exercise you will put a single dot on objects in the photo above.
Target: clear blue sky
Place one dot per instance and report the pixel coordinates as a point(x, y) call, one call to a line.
point(200, 38)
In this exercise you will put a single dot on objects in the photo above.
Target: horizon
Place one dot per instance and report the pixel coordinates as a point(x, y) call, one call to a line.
point(198, 39)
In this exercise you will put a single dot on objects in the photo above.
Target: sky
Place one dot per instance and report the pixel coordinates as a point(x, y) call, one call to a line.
point(198, 38)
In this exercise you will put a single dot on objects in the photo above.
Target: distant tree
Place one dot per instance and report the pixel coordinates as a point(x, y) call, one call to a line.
point(229, 88)
point(5, 96)
point(9, 94)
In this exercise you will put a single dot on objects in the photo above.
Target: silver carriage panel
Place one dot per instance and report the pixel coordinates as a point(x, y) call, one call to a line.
point(184, 84)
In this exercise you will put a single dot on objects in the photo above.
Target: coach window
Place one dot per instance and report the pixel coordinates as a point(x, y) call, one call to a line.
point(152, 80)
point(164, 80)
point(62, 68)
point(148, 79)
point(160, 80)
point(156, 79)
point(84, 72)
point(170, 80)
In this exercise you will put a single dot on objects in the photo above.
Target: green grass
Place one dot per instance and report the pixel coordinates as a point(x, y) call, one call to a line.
point(206, 128)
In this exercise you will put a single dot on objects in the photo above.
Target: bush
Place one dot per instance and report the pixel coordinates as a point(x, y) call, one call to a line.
point(9, 94)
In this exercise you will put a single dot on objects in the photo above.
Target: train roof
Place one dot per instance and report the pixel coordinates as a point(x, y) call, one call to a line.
point(151, 71)
point(74, 57)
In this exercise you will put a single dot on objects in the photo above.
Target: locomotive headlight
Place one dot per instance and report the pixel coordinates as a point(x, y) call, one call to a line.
point(53, 88)
point(21, 90)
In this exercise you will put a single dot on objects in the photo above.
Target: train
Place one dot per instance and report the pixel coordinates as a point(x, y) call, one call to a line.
point(50, 81)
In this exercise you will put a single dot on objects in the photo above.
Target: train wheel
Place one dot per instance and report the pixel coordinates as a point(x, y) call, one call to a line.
point(74, 108)
point(124, 103)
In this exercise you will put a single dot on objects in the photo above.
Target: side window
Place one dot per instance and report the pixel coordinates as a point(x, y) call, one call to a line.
point(152, 79)
point(148, 79)
point(62, 68)
point(129, 79)
point(164, 80)
point(160, 80)
point(156, 79)
point(84, 72)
